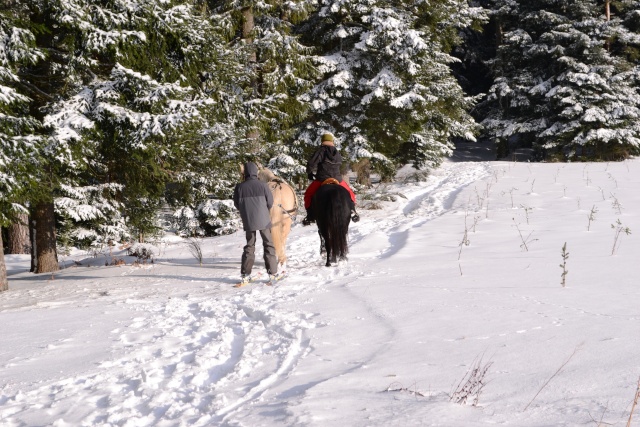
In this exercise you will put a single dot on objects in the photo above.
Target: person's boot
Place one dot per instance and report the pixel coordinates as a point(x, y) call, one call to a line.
point(354, 215)
point(309, 219)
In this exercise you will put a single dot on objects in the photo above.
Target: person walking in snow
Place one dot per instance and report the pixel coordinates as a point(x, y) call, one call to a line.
point(253, 199)
point(326, 162)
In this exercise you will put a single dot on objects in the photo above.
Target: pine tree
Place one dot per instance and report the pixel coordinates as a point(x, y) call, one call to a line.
point(558, 86)
point(277, 69)
point(254, 79)
point(387, 91)
point(123, 111)
point(17, 152)
point(17, 49)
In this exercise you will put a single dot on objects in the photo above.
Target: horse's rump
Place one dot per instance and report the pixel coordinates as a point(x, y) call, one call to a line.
point(332, 209)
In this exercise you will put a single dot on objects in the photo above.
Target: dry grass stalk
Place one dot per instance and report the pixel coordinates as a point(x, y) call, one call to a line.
point(552, 376)
point(396, 386)
point(635, 403)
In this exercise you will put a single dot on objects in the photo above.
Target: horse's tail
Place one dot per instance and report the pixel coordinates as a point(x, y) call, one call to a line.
point(338, 213)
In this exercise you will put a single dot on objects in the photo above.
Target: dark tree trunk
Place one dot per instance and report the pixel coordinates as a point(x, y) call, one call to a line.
point(18, 241)
point(4, 283)
point(32, 248)
point(363, 172)
point(46, 257)
point(248, 28)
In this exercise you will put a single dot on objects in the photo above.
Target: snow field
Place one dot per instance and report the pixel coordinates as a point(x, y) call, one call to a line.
point(412, 310)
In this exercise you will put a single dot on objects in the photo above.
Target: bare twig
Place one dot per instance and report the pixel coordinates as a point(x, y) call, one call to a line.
point(600, 422)
point(618, 229)
point(552, 376)
point(465, 238)
point(635, 403)
point(522, 238)
point(396, 386)
point(527, 209)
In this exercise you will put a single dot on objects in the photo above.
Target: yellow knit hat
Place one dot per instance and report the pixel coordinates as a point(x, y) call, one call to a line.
point(326, 137)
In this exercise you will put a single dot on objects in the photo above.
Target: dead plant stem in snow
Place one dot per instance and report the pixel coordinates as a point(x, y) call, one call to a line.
point(635, 403)
point(552, 376)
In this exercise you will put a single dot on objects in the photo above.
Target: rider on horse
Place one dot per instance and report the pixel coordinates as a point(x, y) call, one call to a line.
point(326, 161)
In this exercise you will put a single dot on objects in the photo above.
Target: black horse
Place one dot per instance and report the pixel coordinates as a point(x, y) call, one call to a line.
point(332, 211)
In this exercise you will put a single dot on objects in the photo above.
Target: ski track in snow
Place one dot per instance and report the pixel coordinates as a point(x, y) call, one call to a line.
point(198, 358)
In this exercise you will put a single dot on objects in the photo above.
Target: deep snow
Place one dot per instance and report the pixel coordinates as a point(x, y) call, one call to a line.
point(383, 339)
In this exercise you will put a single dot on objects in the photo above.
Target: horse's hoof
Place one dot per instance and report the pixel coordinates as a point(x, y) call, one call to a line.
point(328, 264)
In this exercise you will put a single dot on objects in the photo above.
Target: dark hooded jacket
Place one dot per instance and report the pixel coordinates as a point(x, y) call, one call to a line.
point(253, 199)
point(327, 160)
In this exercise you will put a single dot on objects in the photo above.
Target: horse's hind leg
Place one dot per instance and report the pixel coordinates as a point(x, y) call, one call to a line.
point(330, 256)
point(323, 248)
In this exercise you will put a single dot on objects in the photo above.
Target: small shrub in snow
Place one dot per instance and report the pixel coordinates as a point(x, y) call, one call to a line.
point(142, 251)
point(417, 176)
point(592, 216)
point(563, 266)
point(382, 195)
point(186, 223)
point(286, 167)
point(211, 218)
point(471, 385)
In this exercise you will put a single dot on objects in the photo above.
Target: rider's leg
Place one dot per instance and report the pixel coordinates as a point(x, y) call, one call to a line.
point(354, 215)
point(308, 198)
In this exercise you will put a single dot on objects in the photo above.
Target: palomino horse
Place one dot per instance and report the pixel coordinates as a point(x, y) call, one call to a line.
point(332, 209)
point(283, 211)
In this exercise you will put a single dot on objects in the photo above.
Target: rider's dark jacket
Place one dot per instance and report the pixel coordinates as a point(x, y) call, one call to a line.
point(327, 161)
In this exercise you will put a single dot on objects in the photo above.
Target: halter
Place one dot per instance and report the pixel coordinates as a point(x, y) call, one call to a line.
point(279, 182)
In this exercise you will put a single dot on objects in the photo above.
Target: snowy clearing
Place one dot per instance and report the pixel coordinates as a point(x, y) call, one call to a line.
point(460, 272)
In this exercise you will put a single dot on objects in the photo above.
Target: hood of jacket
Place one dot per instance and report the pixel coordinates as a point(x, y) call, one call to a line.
point(330, 151)
point(250, 171)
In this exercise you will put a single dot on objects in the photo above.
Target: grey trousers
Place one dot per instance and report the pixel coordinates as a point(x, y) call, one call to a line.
point(249, 253)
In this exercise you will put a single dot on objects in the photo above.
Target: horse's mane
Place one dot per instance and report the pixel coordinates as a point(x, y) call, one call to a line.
point(266, 175)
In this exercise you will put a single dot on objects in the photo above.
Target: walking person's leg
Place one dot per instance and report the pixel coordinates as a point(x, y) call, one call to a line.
point(270, 259)
point(248, 254)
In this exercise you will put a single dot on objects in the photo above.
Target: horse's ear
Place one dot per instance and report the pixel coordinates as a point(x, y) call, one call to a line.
point(260, 167)
point(241, 169)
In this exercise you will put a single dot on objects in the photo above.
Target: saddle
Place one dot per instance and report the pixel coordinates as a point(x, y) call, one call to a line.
point(330, 181)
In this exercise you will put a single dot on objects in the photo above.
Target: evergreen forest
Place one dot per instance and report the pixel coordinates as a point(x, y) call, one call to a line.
point(114, 111)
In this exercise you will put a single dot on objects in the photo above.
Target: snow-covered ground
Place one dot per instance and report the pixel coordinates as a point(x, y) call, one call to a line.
point(460, 275)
